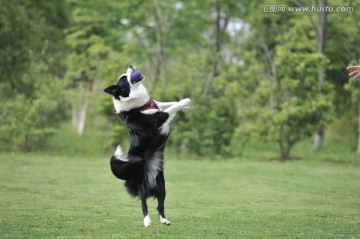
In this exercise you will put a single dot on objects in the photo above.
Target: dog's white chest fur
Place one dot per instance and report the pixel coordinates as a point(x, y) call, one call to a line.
point(136, 99)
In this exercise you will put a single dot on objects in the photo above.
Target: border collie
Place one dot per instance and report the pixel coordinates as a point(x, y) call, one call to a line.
point(148, 122)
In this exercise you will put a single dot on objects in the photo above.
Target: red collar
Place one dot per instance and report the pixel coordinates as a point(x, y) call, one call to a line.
point(150, 105)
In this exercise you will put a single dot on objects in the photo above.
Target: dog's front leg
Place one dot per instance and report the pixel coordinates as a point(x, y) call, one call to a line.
point(165, 105)
point(181, 105)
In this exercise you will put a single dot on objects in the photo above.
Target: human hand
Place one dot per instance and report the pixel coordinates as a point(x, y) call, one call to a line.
point(355, 71)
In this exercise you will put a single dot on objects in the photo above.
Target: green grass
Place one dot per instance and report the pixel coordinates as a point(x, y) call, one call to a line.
point(44, 196)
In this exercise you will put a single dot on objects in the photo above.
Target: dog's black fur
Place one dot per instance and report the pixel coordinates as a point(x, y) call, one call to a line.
point(146, 145)
point(142, 168)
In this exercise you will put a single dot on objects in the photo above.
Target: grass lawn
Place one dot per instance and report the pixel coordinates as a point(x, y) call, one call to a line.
point(76, 197)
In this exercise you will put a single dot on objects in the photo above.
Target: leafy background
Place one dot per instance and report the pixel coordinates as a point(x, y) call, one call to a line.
point(252, 74)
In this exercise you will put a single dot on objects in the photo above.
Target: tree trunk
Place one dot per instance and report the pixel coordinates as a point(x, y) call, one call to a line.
point(221, 24)
point(82, 117)
point(270, 60)
point(285, 149)
point(321, 38)
point(74, 117)
point(26, 144)
point(163, 22)
point(285, 144)
point(319, 138)
point(282, 149)
point(358, 146)
point(79, 112)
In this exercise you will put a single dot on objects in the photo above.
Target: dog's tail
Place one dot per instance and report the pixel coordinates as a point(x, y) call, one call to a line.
point(121, 165)
point(119, 154)
point(118, 164)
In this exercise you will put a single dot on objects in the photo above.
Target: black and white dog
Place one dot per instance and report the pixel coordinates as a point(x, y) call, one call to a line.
point(149, 124)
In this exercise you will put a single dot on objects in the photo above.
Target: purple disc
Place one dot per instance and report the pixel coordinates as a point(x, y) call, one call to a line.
point(136, 77)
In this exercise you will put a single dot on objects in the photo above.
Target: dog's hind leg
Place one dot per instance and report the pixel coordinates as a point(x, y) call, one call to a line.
point(160, 195)
point(144, 207)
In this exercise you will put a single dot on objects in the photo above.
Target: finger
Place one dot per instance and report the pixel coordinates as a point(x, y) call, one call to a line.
point(357, 76)
point(353, 73)
point(353, 67)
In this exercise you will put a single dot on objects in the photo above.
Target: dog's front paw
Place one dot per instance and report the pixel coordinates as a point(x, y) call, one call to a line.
point(147, 221)
point(186, 103)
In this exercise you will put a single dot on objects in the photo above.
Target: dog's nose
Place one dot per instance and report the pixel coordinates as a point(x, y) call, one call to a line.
point(131, 67)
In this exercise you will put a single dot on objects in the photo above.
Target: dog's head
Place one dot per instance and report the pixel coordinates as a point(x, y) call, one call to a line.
point(126, 84)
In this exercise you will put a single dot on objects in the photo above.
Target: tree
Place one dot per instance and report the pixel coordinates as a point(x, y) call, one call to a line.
point(342, 52)
point(32, 99)
point(28, 120)
point(213, 117)
point(17, 37)
point(354, 87)
point(285, 105)
point(174, 43)
point(93, 56)
point(320, 29)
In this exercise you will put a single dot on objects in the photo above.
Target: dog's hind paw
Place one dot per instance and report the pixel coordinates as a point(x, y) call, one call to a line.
point(147, 221)
point(164, 221)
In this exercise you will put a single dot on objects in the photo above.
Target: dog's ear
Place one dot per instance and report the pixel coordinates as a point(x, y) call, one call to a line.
point(113, 90)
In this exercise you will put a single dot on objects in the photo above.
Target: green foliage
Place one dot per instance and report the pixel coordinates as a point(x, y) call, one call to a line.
point(26, 121)
point(32, 96)
point(248, 72)
point(180, 72)
point(343, 51)
point(17, 36)
point(288, 102)
point(208, 127)
point(354, 87)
